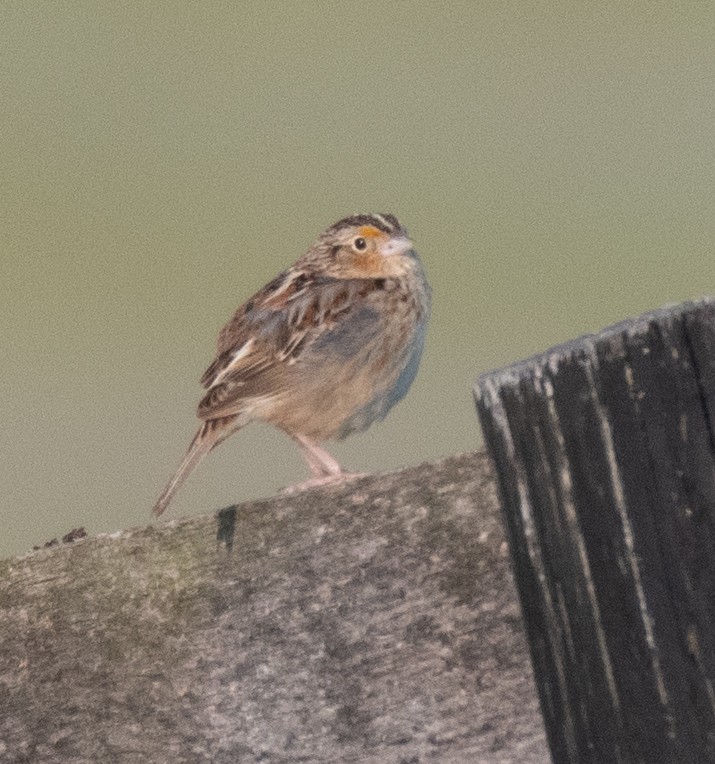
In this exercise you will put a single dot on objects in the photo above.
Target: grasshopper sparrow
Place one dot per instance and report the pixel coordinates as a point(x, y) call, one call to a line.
point(322, 351)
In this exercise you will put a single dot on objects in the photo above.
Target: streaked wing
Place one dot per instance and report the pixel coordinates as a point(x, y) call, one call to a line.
point(269, 333)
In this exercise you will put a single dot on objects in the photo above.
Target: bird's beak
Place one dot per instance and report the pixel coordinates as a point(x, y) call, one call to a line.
point(397, 245)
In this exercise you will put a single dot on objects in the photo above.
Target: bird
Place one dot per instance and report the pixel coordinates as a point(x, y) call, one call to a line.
point(323, 350)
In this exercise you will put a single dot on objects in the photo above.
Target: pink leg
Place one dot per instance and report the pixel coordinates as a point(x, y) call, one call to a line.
point(321, 463)
point(324, 467)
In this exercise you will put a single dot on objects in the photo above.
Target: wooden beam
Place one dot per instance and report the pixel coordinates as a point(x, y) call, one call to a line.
point(605, 456)
point(373, 623)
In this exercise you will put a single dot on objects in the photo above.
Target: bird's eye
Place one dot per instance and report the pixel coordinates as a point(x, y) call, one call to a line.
point(360, 244)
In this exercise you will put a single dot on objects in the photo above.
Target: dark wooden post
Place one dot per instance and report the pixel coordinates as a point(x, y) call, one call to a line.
point(605, 457)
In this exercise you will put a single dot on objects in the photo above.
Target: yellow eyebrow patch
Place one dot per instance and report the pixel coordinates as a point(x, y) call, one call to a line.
point(370, 232)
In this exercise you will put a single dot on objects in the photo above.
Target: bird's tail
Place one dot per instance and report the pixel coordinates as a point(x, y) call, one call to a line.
point(211, 433)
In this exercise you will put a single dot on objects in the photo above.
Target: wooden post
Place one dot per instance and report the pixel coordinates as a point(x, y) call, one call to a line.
point(605, 457)
point(374, 622)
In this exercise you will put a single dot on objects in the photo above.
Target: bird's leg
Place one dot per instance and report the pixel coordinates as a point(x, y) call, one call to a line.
point(321, 463)
point(325, 468)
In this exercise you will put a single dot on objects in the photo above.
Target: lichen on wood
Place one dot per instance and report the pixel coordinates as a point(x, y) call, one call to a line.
point(373, 622)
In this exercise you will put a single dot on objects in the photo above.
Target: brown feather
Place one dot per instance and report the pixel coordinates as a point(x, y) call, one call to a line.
point(324, 349)
point(208, 437)
point(297, 322)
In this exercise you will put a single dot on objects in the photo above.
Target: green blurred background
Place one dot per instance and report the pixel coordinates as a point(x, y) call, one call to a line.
point(161, 161)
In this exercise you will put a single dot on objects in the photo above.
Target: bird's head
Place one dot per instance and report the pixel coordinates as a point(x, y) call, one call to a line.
point(364, 246)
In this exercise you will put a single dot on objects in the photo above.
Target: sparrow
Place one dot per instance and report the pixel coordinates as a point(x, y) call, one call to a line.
point(322, 351)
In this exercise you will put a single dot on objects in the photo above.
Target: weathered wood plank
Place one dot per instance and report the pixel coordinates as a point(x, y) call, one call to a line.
point(375, 623)
point(605, 458)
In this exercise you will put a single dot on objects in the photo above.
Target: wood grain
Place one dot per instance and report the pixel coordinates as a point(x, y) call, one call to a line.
point(373, 623)
point(605, 456)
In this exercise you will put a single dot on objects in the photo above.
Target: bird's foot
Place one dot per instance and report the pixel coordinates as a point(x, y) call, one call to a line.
point(315, 482)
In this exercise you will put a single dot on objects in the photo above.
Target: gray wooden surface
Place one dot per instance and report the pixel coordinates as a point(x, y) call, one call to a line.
point(376, 623)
